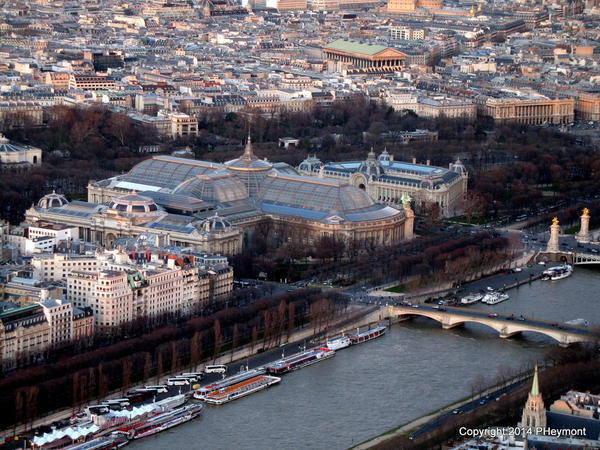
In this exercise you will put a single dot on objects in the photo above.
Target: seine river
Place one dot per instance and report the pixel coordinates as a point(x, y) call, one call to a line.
point(366, 390)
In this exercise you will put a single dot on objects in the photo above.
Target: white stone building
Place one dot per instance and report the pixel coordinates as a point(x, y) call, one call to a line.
point(387, 181)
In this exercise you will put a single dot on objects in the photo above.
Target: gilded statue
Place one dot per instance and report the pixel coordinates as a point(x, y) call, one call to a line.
point(555, 221)
point(586, 212)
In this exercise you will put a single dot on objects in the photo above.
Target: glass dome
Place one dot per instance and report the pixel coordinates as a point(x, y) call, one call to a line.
point(52, 200)
point(218, 187)
point(312, 194)
point(371, 167)
point(310, 164)
point(214, 224)
point(248, 161)
point(134, 204)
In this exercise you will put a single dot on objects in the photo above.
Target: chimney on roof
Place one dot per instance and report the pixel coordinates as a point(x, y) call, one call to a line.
point(414, 160)
point(428, 162)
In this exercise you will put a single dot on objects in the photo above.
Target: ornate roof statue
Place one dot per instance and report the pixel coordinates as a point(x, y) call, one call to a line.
point(406, 199)
point(555, 221)
point(586, 212)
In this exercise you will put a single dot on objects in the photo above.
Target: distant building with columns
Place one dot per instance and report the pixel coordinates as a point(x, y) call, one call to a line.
point(340, 55)
point(389, 181)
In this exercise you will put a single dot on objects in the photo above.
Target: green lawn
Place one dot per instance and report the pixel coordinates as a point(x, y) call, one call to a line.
point(396, 289)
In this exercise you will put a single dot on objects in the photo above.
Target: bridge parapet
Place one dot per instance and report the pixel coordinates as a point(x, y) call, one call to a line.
point(505, 325)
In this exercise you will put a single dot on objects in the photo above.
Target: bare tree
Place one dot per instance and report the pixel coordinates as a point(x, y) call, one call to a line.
point(195, 350)
point(217, 331)
point(126, 369)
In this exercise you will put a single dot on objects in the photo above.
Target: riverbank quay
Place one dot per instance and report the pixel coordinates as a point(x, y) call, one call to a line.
point(502, 280)
point(434, 419)
point(505, 280)
point(500, 411)
point(262, 352)
point(525, 272)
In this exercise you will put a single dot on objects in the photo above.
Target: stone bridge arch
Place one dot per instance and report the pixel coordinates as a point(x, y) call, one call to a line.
point(504, 328)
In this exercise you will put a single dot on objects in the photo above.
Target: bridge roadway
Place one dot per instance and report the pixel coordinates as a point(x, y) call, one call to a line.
point(506, 325)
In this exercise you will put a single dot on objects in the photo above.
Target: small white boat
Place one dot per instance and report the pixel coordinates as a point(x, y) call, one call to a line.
point(494, 298)
point(558, 272)
point(471, 298)
point(339, 343)
point(578, 322)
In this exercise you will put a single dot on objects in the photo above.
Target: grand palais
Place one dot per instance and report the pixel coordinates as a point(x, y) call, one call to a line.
point(217, 207)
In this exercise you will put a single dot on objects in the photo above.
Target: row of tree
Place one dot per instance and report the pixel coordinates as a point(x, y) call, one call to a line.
point(442, 257)
point(79, 379)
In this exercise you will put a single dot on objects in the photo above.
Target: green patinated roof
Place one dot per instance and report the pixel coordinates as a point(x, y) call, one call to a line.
point(13, 312)
point(535, 387)
point(356, 47)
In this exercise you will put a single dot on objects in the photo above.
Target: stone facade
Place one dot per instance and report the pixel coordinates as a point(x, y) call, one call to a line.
point(387, 181)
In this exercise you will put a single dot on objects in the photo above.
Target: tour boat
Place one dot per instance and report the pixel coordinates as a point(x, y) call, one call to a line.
point(558, 272)
point(239, 390)
point(299, 360)
point(202, 391)
point(164, 421)
point(114, 441)
point(363, 336)
point(494, 298)
point(339, 343)
point(470, 299)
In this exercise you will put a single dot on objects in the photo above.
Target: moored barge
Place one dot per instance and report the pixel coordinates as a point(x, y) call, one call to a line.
point(363, 336)
point(239, 390)
point(299, 360)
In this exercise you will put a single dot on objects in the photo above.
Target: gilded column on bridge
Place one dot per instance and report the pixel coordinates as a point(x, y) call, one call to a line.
point(584, 231)
point(410, 216)
point(553, 244)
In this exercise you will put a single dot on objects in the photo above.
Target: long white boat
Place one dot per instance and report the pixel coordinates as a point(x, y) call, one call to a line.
point(167, 420)
point(201, 392)
point(471, 298)
point(558, 272)
point(240, 389)
point(363, 336)
point(494, 298)
point(299, 360)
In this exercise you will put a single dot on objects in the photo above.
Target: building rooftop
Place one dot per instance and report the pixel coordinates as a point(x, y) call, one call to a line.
point(355, 47)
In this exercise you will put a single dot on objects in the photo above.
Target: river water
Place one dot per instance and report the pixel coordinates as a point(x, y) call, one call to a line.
point(366, 390)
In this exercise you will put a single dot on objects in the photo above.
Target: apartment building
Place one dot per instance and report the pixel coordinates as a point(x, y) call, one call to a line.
point(221, 280)
point(88, 82)
point(25, 336)
point(57, 266)
point(27, 333)
point(58, 80)
point(67, 323)
point(18, 113)
point(287, 5)
point(183, 125)
point(117, 296)
point(410, 6)
point(407, 33)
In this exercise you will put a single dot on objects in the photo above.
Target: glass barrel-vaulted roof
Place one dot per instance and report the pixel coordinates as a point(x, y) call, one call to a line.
point(217, 187)
point(311, 193)
point(167, 171)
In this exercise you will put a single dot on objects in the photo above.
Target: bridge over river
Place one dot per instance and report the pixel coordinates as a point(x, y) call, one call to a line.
point(506, 325)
